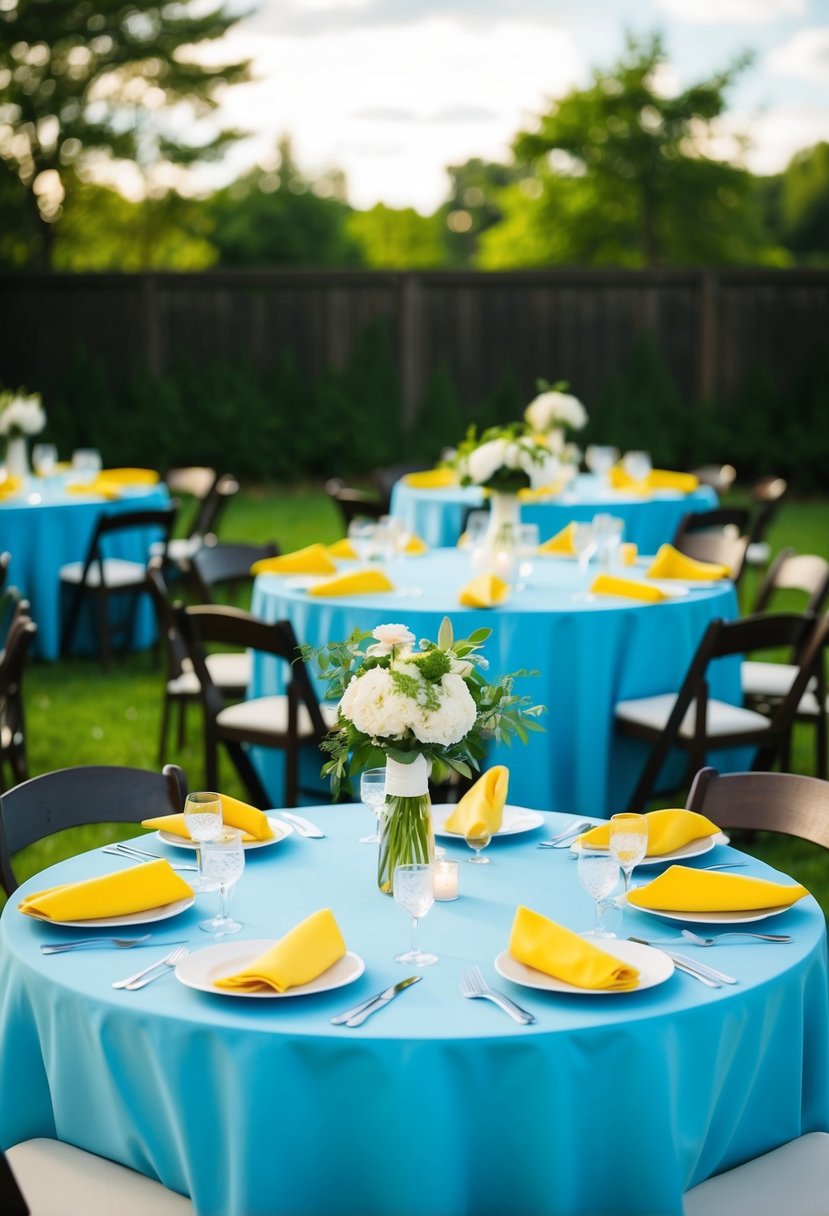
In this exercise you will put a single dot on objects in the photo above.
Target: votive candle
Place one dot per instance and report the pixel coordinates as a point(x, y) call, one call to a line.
point(446, 874)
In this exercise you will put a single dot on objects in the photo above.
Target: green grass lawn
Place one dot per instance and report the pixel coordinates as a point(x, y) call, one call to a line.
point(78, 714)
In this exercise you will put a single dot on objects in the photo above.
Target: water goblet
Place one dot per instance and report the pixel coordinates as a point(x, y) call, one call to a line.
point(44, 459)
point(478, 837)
point(224, 863)
point(414, 892)
point(528, 542)
point(373, 795)
point(361, 533)
point(637, 464)
point(628, 842)
point(600, 459)
point(598, 873)
point(609, 530)
point(203, 820)
point(584, 543)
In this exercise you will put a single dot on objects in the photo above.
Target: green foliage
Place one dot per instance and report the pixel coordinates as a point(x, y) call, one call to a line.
point(797, 204)
point(391, 239)
point(440, 421)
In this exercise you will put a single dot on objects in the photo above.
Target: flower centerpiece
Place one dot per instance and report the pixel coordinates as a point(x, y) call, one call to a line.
point(552, 413)
point(416, 711)
point(20, 415)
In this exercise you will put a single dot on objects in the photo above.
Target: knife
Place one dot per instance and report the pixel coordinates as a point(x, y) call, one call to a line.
point(357, 1016)
point(701, 971)
point(304, 826)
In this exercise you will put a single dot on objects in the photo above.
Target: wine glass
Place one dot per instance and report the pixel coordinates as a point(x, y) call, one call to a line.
point(414, 892)
point(585, 544)
point(373, 794)
point(637, 464)
point(598, 873)
point(609, 530)
point(44, 459)
point(628, 842)
point(528, 542)
point(600, 459)
point(362, 532)
point(223, 862)
point(478, 837)
point(203, 820)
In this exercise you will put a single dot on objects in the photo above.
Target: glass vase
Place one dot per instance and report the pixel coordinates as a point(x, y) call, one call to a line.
point(406, 835)
point(499, 545)
point(17, 457)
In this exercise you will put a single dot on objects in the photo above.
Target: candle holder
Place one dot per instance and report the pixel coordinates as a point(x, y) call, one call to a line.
point(446, 876)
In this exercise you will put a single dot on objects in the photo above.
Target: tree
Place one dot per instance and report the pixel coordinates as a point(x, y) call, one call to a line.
point(473, 205)
point(797, 201)
point(93, 85)
point(622, 176)
point(391, 239)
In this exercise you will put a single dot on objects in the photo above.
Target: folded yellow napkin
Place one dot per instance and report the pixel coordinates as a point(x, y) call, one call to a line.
point(482, 807)
point(252, 823)
point(359, 583)
point(431, 479)
point(619, 479)
point(562, 542)
point(9, 486)
point(541, 943)
point(670, 563)
point(99, 487)
point(134, 890)
point(627, 588)
point(130, 477)
point(344, 549)
point(313, 559)
point(665, 479)
point(628, 553)
point(305, 952)
point(667, 830)
point(541, 492)
point(684, 889)
point(485, 591)
point(415, 546)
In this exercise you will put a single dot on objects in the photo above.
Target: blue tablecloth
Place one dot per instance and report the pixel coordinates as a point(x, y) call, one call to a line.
point(437, 516)
point(43, 533)
point(590, 653)
point(437, 1106)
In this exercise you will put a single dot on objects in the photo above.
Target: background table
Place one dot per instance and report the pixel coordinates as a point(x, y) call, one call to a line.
point(44, 533)
point(437, 1106)
point(437, 516)
point(589, 653)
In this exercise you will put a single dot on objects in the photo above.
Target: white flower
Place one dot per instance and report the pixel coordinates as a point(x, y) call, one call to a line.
point(391, 636)
point(462, 667)
point(373, 705)
point(486, 460)
point(454, 717)
point(554, 408)
point(22, 414)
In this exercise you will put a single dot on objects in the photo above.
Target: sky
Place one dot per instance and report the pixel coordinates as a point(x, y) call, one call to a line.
point(393, 91)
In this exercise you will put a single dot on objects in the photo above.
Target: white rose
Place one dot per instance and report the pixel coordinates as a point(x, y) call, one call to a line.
point(371, 703)
point(486, 460)
point(452, 720)
point(388, 637)
point(551, 408)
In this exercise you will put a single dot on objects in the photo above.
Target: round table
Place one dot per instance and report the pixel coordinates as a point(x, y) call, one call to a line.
point(44, 528)
point(436, 1106)
point(437, 516)
point(589, 653)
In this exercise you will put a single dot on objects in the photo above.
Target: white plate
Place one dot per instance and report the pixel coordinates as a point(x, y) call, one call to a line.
point(201, 970)
point(279, 827)
point(716, 918)
point(653, 966)
point(147, 917)
point(516, 819)
point(672, 590)
point(694, 848)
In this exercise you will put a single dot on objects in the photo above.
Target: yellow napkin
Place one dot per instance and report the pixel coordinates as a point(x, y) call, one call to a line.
point(9, 486)
point(562, 542)
point(665, 479)
point(485, 591)
point(130, 477)
point(670, 563)
point(134, 890)
point(415, 546)
point(99, 487)
point(667, 830)
point(358, 583)
point(431, 479)
point(313, 559)
point(307, 950)
point(619, 479)
point(628, 553)
point(541, 943)
point(684, 889)
point(542, 492)
point(482, 807)
point(627, 588)
point(344, 549)
point(252, 823)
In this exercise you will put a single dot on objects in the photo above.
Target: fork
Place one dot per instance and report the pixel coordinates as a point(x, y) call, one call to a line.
point(574, 830)
point(712, 941)
point(122, 943)
point(474, 985)
point(131, 854)
point(145, 977)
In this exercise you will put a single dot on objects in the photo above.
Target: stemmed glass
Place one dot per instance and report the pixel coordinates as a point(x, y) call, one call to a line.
point(362, 533)
point(609, 530)
point(373, 794)
point(584, 543)
point(528, 542)
point(600, 459)
point(637, 464)
point(598, 873)
point(224, 862)
point(203, 820)
point(628, 842)
point(44, 459)
point(414, 892)
point(477, 839)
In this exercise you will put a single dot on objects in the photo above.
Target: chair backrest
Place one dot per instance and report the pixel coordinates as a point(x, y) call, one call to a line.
point(13, 658)
point(213, 505)
point(217, 625)
point(722, 521)
point(790, 571)
point(70, 797)
point(351, 503)
point(226, 564)
point(174, 648)
point(789, 803)
point(5, 561)
point(767, 495)
point(728, 551)
point(720, 477)
point(12, 1202)
point(155, 521)
point(386, 478)
point(197, 480)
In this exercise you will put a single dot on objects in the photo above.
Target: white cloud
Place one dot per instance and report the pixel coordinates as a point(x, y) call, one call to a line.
point(805, 56)
point(772, 137)
point(732, 12)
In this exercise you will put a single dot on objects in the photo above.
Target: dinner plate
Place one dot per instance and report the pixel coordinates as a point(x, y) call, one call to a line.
point(516, 819)
point(694, 848)
point(654, 968)
point(147, 917)
point(279, 827)
point(673, 591)
point(203, 967)
point(716, 918)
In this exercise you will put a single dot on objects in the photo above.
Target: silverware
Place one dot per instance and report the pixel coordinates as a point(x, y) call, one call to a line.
point(122, 943)
point(556, 842)
point(131, 854)
point(701, 970)
point(141, 977)
point(696, 940)
point(304, 826)
point(726, 865)
point(356, 1017)
point(473, 985)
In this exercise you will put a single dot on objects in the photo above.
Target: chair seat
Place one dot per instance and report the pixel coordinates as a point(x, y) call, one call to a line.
point(758, 553)
point(57, 1178)
point(791, 1180)
point(117, 573)
point(774, 680)
point(181, 549)
point(270, 715)
point(231, 670)
point(722, 718)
